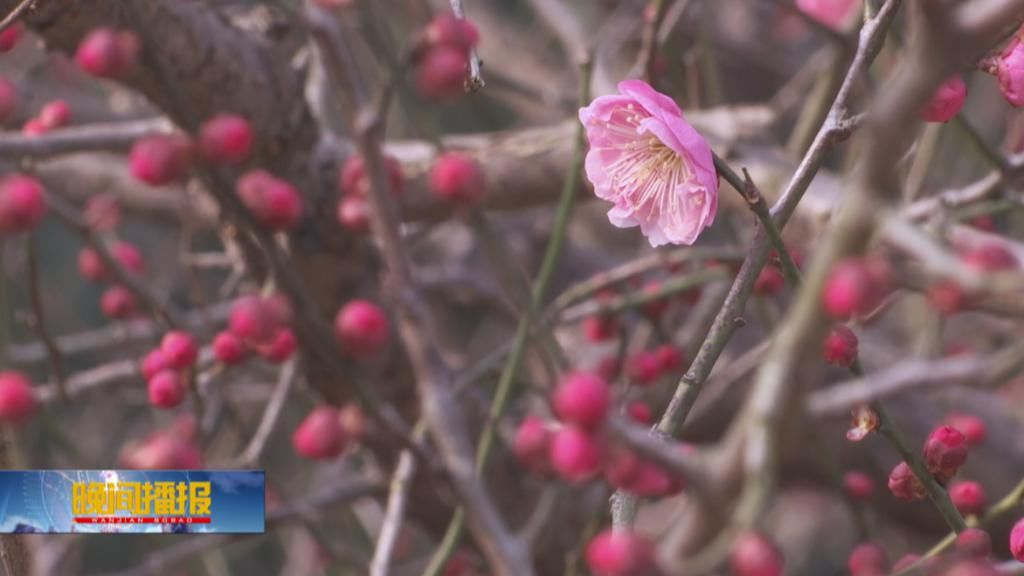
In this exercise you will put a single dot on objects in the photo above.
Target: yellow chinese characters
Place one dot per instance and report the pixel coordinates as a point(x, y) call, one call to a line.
point(140, 498)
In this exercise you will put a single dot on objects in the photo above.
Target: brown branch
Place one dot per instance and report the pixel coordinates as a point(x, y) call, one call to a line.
point(116, 137)
point(53, 352)
point(250, 457)
point(16, 13)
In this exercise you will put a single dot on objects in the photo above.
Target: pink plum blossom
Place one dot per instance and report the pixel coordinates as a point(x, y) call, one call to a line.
point(831, 13)
point(1010, 70)
point(651, 164)
point(946, 102)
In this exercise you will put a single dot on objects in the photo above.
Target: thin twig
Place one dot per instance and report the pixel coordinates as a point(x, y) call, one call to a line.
point(16, 13)
point(39, 319)
point(394, 514)
point(250, 457)
point(475, 80)
point(114, 137)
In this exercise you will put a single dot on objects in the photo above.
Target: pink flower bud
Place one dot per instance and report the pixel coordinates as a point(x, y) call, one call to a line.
point(532, 443)
point(274, 203)
point(613, 553)
point(904, 485)
point(945, 451)
point(34, 127)
point(639, 412)
point(55, 114)
point(867, 559)
point(753, 555)
point(280, 349)
point(456, 177)
point(8, 99)
point(946, 297)
point(1017, 540)
point(974, 542)
point(832, 13)
point(225, 139)
point(946, 102)
point(362, 328)
point(989, 257)
point(669, 357)
point(256, 320)
point(1010, 72)
point(840, 346)
point(643, 368)
point(353, 180)
point(179, 349)
point(967, 567)
point(855, 286)
point(10, 35)
point(161, 451)
point(972, 427)
point(769, 281)
point(600, 328)
point(858, 485)
point(575, 455)
point(354, 213)
point(108, 53)
point(228, 349)
point(441, 73)
point(153, 363)
point(22, 204)
point(119, 302)
point(320, 436)
point(17, 402)
point(160, 159)
point(582, 399)
point(447, 30)
point(166, 389)
point(968, 497)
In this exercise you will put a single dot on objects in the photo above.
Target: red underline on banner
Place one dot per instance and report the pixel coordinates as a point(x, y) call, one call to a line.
point(142, 520)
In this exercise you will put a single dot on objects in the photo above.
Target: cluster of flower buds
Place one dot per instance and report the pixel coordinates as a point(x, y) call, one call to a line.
point(167, 369)
point(442, 56)
point(944, 452)
point(353, 211)
point(260, 324)
point(117, 302)
point(326, 432)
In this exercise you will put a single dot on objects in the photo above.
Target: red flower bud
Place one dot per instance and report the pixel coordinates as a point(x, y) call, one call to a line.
point(600, 328)
point(867, 559)
point(225, 139)
point(280, 349)
point(945, 451)
point(228, 349)
point(22, 204)
point(1017, 540)
point(532, 443)
point(972, 427)
point(107, 53)
point(154, 363)
point(119, 302)
point(456, 177)
point(102, 212)
point(17, 401)
point(990, 257)
point(582, 399)
point(362, 329)
point(858, 485)
point(840, 346)
point(256, 320)
point(968, 497)
point(946, 102)
point(613, 553)
point(946, 297)
point(575, 455)
point(55, 114)
point(1010, 72)
point(166, 389)
point(160, 159)
point(179, 349)
point(441, 73)
point(447, 30)
point(769, 281)
point(855, 286)
point(643, 368)
point(669, 357)
point(904, 485)
point(354, 213)
point(639, 412)
point(274, 203)
point(353, 180)
point(974, 542)
point(10, 35)
point(320, 436)
point(753, 555)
